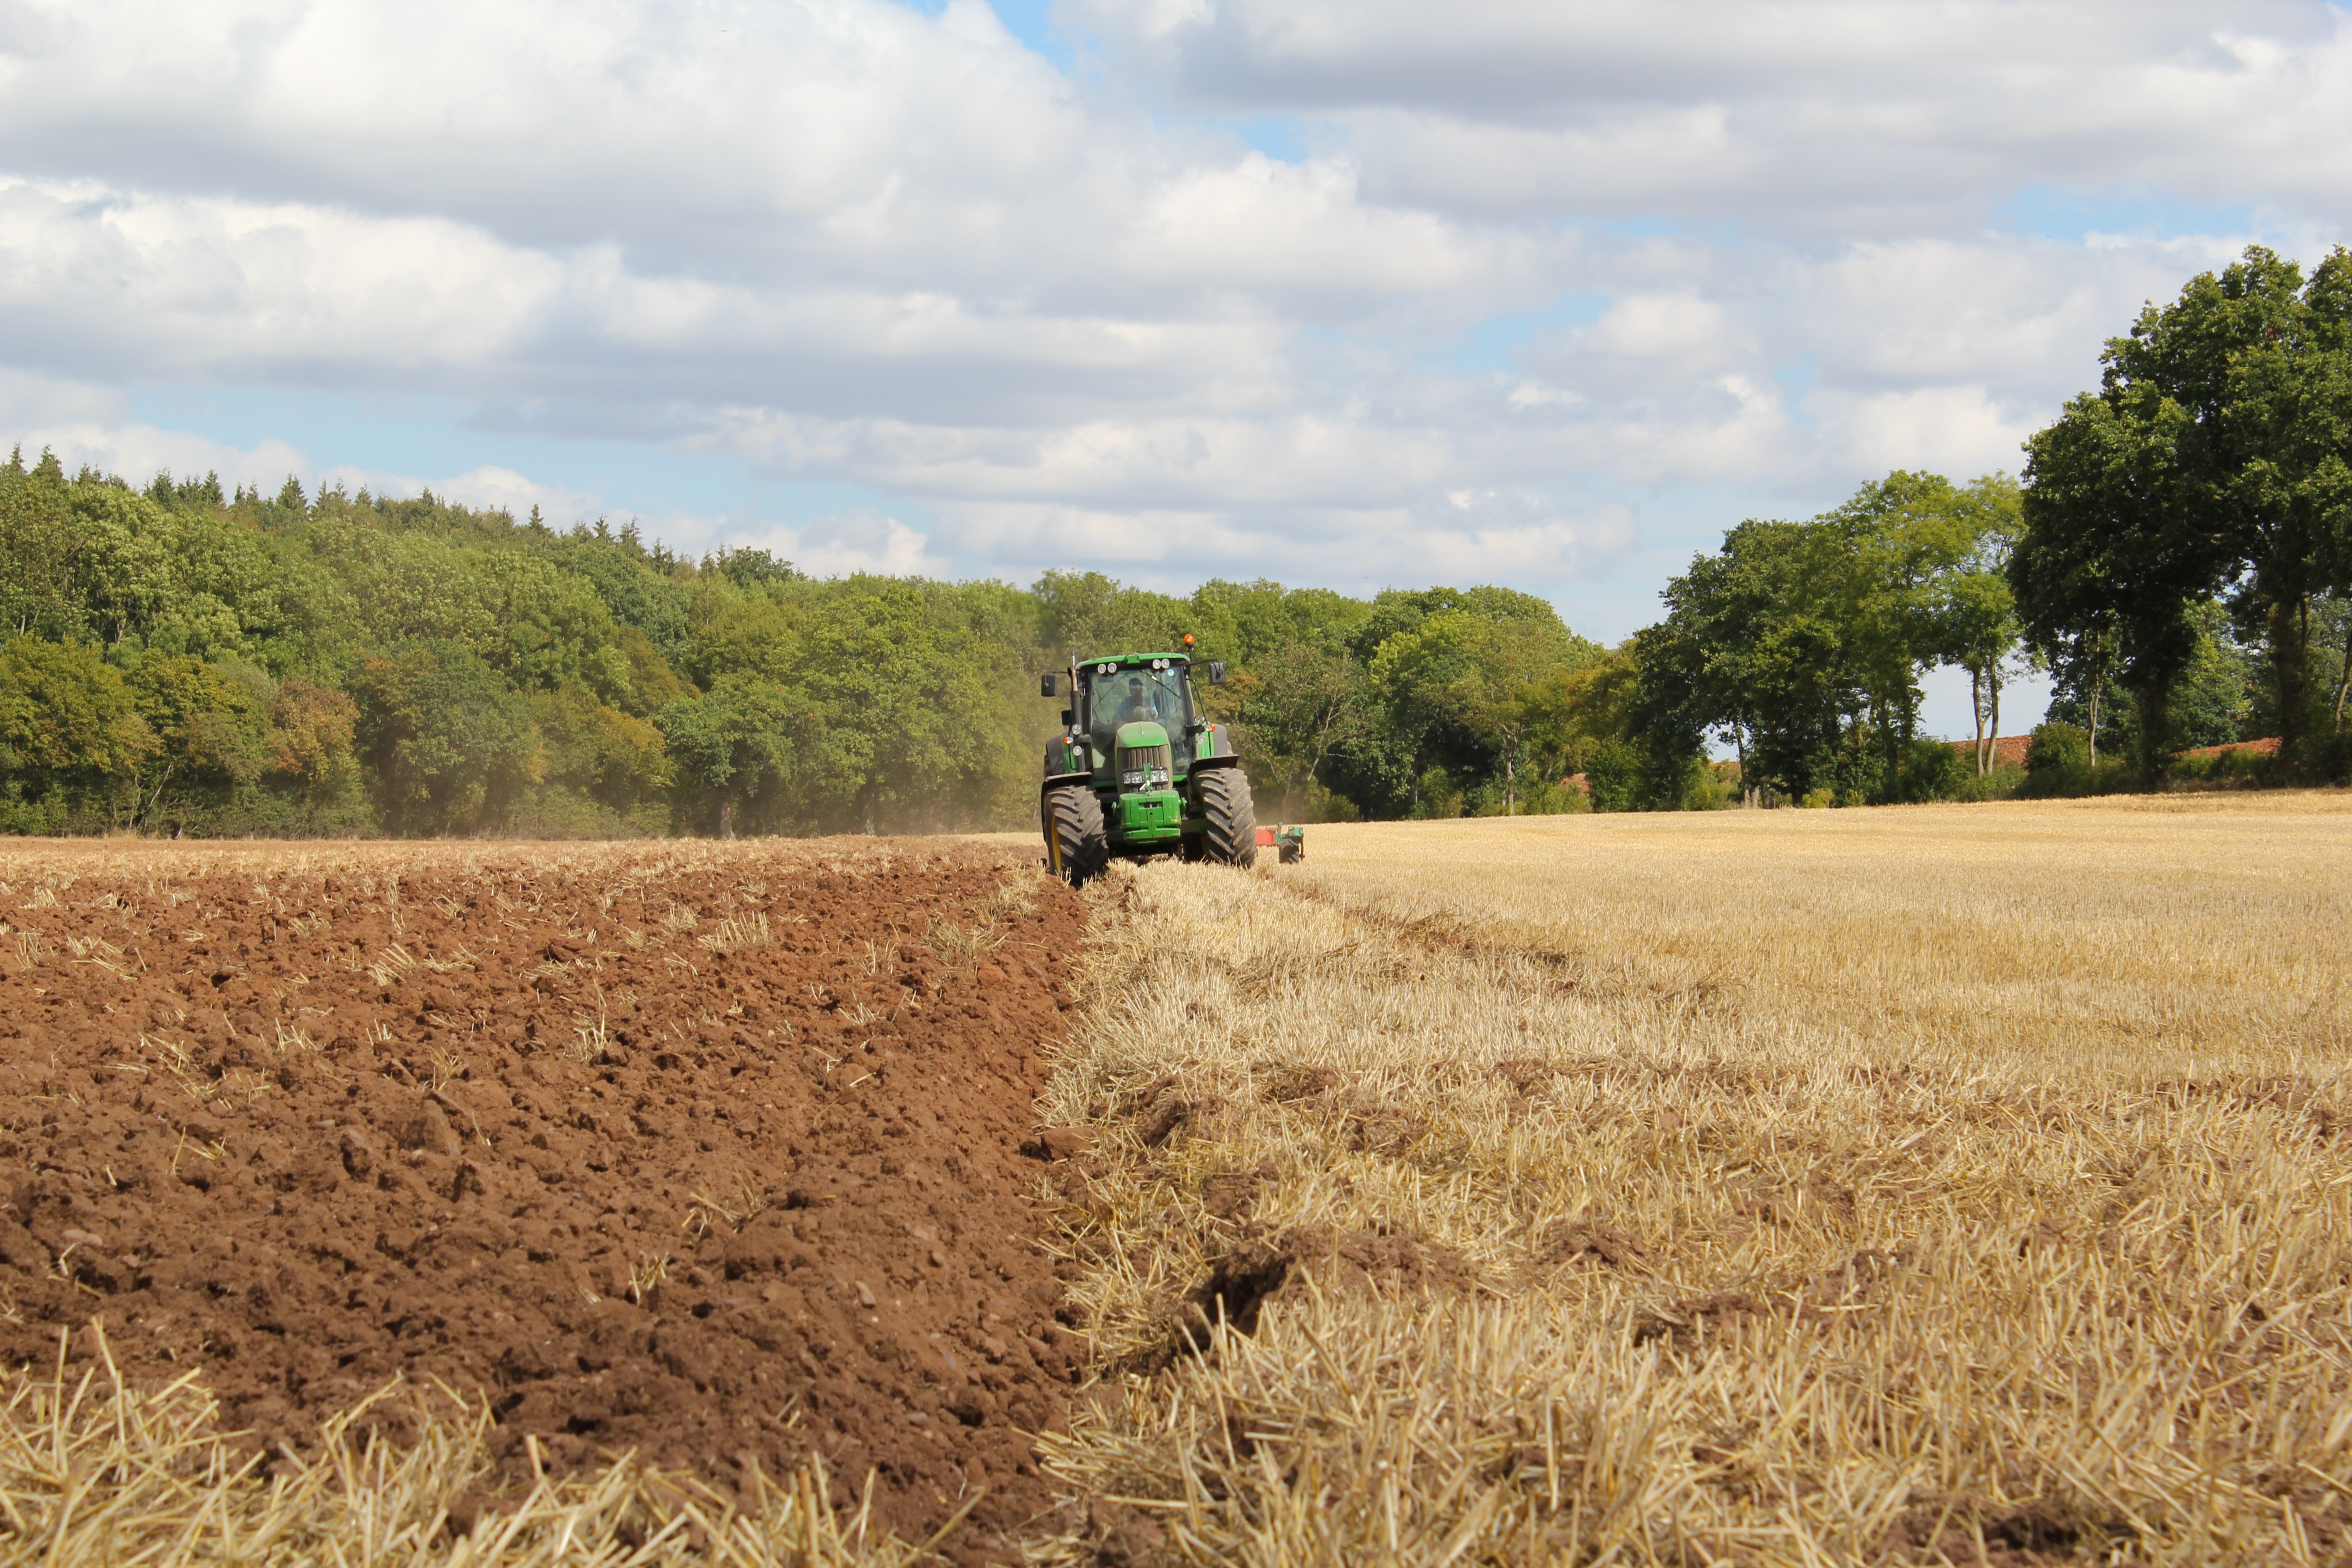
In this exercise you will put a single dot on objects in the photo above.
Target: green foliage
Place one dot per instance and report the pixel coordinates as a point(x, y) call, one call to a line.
point(729, 747)
point(312, 778)
point(753, 569)
point(72, 739)
point(1306, 719)
point(2233, 769)
point(2220, 693)
point(210, 723)
point(2056, 747)
point(615, 763)
point(2216, 453)
point(1801, 644)
point(639, 586)
point(2059, 761)
point(184, 661)
point(1465, 685)
point(1933, 771)
point(91, 561)
point(2217, 696)
point(448, 744)
point(1084, 612)
point(2331, 625)
point(1297, 699)
point(907, 682)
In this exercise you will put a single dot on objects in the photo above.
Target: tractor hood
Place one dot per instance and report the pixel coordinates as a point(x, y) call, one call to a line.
point(1142, 732)
point(1144, 762)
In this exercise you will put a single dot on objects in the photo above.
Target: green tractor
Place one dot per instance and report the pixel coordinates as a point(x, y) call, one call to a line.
point(1138, 769)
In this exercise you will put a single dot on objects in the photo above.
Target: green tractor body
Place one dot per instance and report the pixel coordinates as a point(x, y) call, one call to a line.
point(1138, 769)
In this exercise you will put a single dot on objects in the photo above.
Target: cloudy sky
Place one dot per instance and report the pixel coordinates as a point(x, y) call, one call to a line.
point(1349, 293)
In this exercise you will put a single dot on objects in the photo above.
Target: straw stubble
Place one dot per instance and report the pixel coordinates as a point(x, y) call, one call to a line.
point(1782, 1187)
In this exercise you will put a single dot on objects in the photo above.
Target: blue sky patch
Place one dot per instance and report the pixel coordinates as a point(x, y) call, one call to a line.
point(2057, 212)
point(1799, 376)
point(1281, 137)
point(1493, 345)
point(1031, 21)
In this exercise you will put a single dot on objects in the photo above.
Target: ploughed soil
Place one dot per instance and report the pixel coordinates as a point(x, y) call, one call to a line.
point(711, 1153)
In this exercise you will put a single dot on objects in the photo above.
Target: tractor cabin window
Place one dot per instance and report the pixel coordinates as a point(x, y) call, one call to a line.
point(1128, 696)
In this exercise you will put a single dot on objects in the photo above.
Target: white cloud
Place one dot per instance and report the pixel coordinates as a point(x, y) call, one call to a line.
point(1955, 430)
point(98, 276)
point(1839, 116)
point(88, 427)
point(1271, 226)
point(1991, 307)
point(553, 123)
point(27, 398)
point(862, 539)
point(1073, 320)
point(1662, 326)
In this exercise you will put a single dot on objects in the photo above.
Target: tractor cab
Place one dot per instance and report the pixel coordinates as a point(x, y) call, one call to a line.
point(1130, 770)
point(1121, 699)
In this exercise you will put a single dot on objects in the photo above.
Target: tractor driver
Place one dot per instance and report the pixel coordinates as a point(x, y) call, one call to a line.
point(1139, 708)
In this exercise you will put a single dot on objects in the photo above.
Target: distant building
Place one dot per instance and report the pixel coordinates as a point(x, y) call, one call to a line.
point(2008, 751)
point(2265, 747)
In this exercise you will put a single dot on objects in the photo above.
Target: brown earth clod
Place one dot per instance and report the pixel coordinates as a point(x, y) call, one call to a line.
point(516, 1130)
point(1282, 1082)
point(1580, 1241)
point(1261, 1268)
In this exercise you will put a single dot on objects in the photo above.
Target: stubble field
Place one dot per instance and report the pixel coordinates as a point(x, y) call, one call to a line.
point(1936, 1185)
point(1946, 1185)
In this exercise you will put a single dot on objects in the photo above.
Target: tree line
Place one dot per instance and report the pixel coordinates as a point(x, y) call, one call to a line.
point(185, 660)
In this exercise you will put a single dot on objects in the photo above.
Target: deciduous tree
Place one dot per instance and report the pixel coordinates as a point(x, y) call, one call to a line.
point(2217, 452)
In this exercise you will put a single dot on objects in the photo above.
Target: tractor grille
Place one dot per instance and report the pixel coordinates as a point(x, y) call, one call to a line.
point(1144, 767)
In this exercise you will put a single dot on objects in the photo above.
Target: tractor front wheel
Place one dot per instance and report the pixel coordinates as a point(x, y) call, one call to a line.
point(1075, 846)
point(1230, 834)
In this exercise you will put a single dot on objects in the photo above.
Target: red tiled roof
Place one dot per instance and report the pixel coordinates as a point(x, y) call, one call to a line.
point(2266, 747)
point(2008, 751)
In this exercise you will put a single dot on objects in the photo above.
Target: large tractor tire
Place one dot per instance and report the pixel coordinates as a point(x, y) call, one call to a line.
point(1230, 835)
point(1076, 845)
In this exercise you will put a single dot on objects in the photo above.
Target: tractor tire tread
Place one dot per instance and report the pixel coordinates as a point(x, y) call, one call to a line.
point(1075, 836)
point(1229, 835)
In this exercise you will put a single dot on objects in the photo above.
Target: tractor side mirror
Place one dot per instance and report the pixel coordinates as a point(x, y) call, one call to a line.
point(1045, 687)
point(1216, 672)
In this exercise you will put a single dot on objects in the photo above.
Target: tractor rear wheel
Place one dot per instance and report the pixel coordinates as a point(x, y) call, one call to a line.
point(1075, 846)
point(1229, 834)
